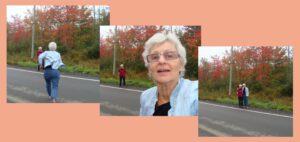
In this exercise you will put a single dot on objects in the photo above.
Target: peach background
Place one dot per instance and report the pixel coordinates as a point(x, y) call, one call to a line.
point(230, 22)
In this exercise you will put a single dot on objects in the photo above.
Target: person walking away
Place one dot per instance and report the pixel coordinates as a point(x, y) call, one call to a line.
point(52, 62)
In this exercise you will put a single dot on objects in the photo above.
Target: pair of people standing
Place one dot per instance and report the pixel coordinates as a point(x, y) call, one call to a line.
point(51, 61)
point(243, 94)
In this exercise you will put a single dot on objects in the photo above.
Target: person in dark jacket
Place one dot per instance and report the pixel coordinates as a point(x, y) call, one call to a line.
point(40, 51)
point(239, 93)
point(122, 75)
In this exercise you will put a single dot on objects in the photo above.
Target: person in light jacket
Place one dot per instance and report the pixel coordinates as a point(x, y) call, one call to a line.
point(245, 95)
point(165, 58)
point(52, 62)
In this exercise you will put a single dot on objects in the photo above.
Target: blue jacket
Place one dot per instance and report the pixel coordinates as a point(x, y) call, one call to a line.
point(183, 101)
point(51, 58)
point(246, 91)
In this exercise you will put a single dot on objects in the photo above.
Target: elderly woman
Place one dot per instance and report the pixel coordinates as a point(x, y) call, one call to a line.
point(52, 62)
point(165, 58)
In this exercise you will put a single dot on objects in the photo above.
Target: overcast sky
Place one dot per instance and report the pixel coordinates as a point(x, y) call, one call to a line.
point(17, 10)
point(209, 51)
point(21, 10)
point(104, 30)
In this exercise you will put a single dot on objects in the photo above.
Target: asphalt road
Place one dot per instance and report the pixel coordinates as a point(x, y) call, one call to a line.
point(28, 86)
point(219, 120)
point(118, 101)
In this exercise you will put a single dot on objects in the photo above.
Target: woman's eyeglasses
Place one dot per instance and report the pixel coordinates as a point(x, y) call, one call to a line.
point(167, 56)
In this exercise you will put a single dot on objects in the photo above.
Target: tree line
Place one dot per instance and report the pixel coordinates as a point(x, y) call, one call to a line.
point(128, 43)
point(75, 29)
point(266, 70)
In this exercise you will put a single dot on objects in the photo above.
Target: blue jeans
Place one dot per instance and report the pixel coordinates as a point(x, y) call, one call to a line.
point(52, 77)
point(245, 101)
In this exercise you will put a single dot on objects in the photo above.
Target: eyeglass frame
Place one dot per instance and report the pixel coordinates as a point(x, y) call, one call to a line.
point(162, 54)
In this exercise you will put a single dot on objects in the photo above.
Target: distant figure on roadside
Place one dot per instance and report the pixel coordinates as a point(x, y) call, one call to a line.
point(165, 58)
point(239, 93)
point(52, 62)
point(40, 51)
point(245, 95)
point(122, 75)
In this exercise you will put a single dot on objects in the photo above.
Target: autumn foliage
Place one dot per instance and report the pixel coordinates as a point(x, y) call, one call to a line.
point(129, 42)
point(75, 29)
point(266, 70)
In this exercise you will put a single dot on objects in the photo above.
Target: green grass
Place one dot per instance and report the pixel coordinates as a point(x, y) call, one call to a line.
point(133, 78)
point(254, 100)
point(80, 69)
point(28, 64)
point(90, 68)
point(87, 67)
point(129, 82)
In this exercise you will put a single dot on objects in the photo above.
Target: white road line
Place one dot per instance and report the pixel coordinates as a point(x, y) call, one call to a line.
point(29, 92)
point(229, 126)
point(104, 114)
point(118, 108)
point(65, 76)
point(279, 115)
point(94, 80)
point(134, 90)
point(16, 99)
point(212, 131)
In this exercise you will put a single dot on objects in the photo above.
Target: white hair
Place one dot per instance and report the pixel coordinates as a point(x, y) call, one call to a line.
point(160, 38)
point(52, 46)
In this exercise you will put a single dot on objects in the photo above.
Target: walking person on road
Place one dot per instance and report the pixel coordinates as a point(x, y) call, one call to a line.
point(245, 95)
point(52, 62)
point(165, 58)
point(122, 75)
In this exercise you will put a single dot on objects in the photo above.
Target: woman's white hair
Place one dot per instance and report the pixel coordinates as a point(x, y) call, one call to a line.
point(52, 46)
point(160, 38)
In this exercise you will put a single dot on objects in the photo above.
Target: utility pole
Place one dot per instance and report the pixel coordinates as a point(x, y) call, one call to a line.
point(95, 29)
point(289, 65)
point(33, 31)
point(230, 71)
point(114, 60)
point(94, 21)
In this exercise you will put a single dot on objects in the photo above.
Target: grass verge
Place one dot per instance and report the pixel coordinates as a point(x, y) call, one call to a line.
point(68, 68)
point(254, 100)
point(129, 82)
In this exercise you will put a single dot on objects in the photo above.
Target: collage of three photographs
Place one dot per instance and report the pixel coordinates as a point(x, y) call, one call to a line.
point(71, 54)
